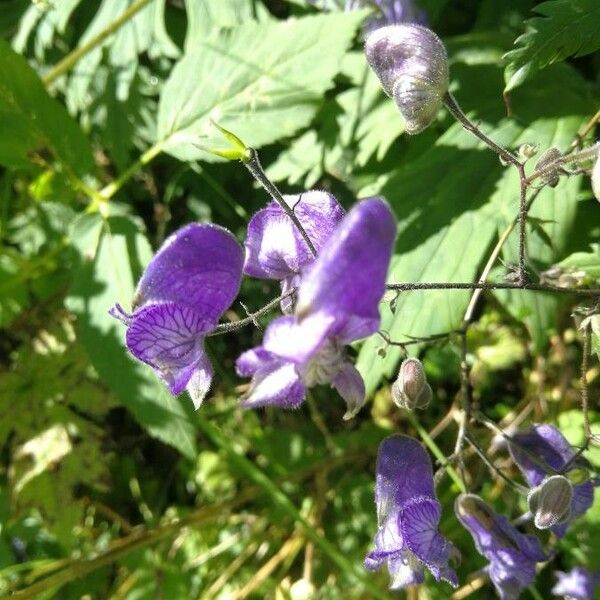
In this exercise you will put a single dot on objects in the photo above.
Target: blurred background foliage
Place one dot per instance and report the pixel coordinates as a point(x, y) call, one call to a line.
point(111, 488)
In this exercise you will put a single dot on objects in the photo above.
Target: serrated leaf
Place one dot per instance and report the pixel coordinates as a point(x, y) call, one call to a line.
point(33, 123)
point(567, 28)
point(112, 255)
point(453, 200)
point(262, 81)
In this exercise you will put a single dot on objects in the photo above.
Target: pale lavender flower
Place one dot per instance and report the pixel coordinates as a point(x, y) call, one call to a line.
point(512, 555)
point(408, 515)
point(338, 299)
point(275, 249)
point(191, 281)
point(551, 448)
point(577, 584)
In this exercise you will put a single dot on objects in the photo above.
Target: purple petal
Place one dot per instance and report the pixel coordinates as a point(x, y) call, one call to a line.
point(403, 471)
point(168, 337)
point(583, 498)
point(404, 572)
point(199, 266)
point(252, 360)
point(578, 583)
point(199, 383)
point(276, 384)
point(297, 340)
point(348, 279)
point(351, 387)
point(419, 520)
point(274, 247)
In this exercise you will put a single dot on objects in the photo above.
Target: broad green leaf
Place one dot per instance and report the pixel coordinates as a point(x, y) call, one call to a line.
point(33, 123)
point(203, 16)
point(143, 32)
point(112, 254)
point(588, 262)
point(261, 81)
point(567, 28)
point(454, 199)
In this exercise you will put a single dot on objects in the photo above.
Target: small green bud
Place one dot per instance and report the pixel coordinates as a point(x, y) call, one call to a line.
point(549, 176)
point(239, 151)
point(527, 151)
point(411, 390)
point(550, 502)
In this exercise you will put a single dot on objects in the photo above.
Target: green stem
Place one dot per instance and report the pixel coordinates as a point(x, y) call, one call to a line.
point(112, 188)
point(73, 57)
point(281, 500)
point(435, 450)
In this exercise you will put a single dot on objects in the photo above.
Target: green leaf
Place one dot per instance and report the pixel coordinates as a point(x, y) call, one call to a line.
point(454, 199)
point(588, 262)
point(33, 123)
point(567, 28)
point(112, 254)
point(262, 81)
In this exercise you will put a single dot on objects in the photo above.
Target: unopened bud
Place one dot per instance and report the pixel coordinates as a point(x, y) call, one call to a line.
point(526, 151)
point(412, 65)
point(549, 172)
point(411, 390)
point(596, 179)
point(550, 502)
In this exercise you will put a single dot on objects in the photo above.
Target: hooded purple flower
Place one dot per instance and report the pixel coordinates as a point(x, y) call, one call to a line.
point(338, 299)
point(512, 555)
point(577, 584)
point(388, 12)
point(191, 281)
point(408, 515)
point(548, 444)
point(274, 247)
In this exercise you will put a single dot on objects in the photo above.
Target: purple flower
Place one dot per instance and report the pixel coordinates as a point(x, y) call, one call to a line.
point(338, 299)
point(577, 584)
point(191, 281)
point(512, 555)
point(274, 247)
point(408, 515)
point(551, 448)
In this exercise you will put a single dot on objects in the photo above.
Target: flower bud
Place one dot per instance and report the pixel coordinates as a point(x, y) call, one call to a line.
point(412, 66)
point(596, 178)
point(550, 502)
point(549, 176)
point(411, 390)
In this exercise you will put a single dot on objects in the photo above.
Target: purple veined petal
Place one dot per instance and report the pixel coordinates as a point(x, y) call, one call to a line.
point(419, 520)
point(348, 277)
point(168, 337)
point(200, 265)
point(403, 471)
point(376, 559)
point(351, 387)
point(297, 340)
point(548, 444)
point(199, 383)
point(277, 384)
point(249, 362)
point(274, 247)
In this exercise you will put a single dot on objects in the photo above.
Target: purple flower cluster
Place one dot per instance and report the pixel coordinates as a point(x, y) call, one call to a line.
point(196, 275)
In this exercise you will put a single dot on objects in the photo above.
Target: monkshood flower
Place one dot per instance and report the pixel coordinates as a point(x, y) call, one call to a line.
point(338, 299)
point(408, 515)
point(411, 390)
point(274, 247)
point(549, 446)
point(512, 554)
point(191, 281)
point(577, 584)
point(412, 66)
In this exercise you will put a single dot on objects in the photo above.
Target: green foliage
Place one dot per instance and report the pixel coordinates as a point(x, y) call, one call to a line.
point(567, 28)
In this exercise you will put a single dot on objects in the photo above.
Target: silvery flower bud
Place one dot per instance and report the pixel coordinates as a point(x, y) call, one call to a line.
point(411, 390)
point(596, 179)
point(550, 502)
point(412, 66)
point(549, 176)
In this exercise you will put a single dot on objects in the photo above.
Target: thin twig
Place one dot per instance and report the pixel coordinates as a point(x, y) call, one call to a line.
point(532, 287)
point(252, 163)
